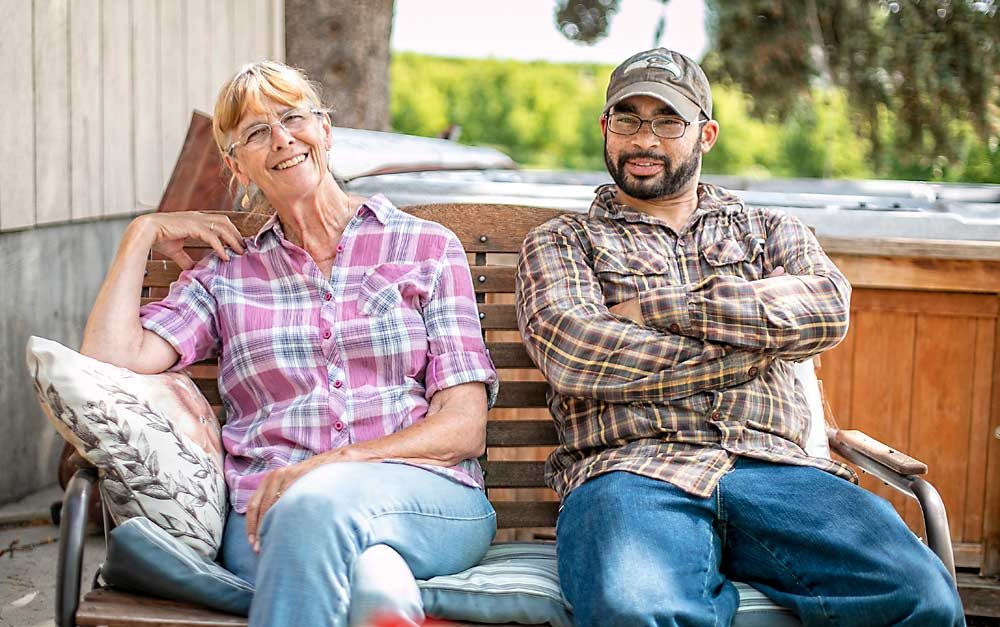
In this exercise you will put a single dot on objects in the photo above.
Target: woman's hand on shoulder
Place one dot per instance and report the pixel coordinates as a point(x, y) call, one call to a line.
point(168, 231)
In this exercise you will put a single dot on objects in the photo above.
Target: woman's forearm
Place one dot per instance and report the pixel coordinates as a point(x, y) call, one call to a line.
point(453, 430)
point(113, 333)
point(444, 439)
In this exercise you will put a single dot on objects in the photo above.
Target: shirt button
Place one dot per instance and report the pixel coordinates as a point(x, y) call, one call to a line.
point(340, 248)
point(675, 328)
point(752, 372)
point(338, 383)
point(716, 415)
point(327, 296)
point(327, 334)
point(680, 243)
point(339, 426)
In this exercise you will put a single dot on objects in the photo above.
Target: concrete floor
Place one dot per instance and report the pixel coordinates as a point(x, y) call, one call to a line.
point(28, 573)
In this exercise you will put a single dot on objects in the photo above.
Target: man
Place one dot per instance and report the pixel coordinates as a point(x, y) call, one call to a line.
point(666, 321)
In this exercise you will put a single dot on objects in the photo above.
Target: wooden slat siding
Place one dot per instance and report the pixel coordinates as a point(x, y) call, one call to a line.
point(882, 386)
point(17, 181)
point(991, 508)
point(502, 433)
point(52, 105)
point(243, 25)
point(146, 119)
point(118, 172)
point(938, 304)
point(913, 248)
point(920, 274)
point(174, 110)
point(198, 50)
point(261, 48)
point(979, 432)
point(511, 514)
point(85, 112)
point(942, 406)
point(277, 41)
point(112, 608)
point(968, 554)
point(222, 61)
point(467, 222)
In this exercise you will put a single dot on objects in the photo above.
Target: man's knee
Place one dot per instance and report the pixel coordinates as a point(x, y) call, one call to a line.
point(931, 599)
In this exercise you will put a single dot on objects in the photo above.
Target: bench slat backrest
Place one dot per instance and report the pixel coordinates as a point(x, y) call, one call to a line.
point(519, 432)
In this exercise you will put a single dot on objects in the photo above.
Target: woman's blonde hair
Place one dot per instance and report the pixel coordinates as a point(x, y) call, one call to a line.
point(255, 88)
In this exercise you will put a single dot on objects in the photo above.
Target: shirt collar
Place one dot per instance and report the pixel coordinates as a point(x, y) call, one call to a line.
point(378, 206)
point(711, 199)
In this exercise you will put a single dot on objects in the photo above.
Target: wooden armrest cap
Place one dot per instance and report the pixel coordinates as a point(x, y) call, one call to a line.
point(877, 451)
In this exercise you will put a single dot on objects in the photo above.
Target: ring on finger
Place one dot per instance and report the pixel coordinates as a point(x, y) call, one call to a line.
point(211, 227)
point(277, 494)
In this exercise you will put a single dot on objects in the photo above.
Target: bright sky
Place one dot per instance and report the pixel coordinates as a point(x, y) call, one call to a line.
point(525, 29)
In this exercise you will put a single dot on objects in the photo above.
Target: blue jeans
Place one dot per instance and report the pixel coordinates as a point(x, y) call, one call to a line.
point(312, 537)
point(638, 551)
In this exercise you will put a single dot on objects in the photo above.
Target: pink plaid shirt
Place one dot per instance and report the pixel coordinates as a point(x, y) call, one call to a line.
point(310, 363)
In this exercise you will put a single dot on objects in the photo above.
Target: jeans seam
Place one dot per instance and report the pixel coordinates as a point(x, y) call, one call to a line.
point(430, 515)
point(720, 513)
point(788, 569)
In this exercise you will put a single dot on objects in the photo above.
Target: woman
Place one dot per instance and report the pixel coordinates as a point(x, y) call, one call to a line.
point(352, 368)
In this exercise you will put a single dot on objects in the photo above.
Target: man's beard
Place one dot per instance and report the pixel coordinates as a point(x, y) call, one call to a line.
point(668, 183)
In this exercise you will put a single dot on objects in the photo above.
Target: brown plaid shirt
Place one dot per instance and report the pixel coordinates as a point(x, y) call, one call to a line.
point(708, 377)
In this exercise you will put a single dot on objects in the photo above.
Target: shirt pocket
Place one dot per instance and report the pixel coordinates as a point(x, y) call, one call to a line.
point(734, 255)
point(625, 274)
point(378, 293)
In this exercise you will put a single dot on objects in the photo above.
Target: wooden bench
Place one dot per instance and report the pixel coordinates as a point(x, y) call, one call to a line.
point(519, 432)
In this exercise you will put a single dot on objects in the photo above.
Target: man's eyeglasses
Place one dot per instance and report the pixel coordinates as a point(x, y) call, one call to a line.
point(666, 127)
point(258, 136)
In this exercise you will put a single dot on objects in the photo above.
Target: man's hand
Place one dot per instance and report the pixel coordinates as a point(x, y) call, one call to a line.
point(629, 309)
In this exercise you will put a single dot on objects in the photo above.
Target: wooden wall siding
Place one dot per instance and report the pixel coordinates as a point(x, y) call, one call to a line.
point(101, 93)
point(916, 371)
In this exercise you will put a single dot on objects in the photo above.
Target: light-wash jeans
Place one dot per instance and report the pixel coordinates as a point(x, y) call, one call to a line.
point(638, 551)
point(317, 563)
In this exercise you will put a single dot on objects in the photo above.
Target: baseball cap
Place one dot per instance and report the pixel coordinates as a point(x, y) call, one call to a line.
point(665, 75)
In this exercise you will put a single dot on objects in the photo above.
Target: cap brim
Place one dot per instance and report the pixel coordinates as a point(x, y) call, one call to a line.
point(668, 95)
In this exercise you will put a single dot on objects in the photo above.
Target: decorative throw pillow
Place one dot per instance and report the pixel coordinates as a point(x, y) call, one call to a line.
point(154, 439)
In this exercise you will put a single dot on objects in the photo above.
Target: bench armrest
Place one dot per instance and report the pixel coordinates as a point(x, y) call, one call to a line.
point(72, 536)
point(874, 450)
point(901, 472)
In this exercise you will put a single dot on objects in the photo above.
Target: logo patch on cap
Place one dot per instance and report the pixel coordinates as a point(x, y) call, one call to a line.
point(656, 60)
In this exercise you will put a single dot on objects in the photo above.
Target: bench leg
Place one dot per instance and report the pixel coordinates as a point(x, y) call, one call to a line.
point(72, 535)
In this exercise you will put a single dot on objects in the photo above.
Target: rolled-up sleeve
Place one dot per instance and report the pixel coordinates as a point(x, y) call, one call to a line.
point(456, 351)
point(186, 318)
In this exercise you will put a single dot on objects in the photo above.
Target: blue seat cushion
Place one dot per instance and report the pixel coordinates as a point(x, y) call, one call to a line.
point(518, 582)
point(144, 558)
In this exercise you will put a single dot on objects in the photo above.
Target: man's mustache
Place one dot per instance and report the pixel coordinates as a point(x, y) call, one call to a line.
point(648, 156)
